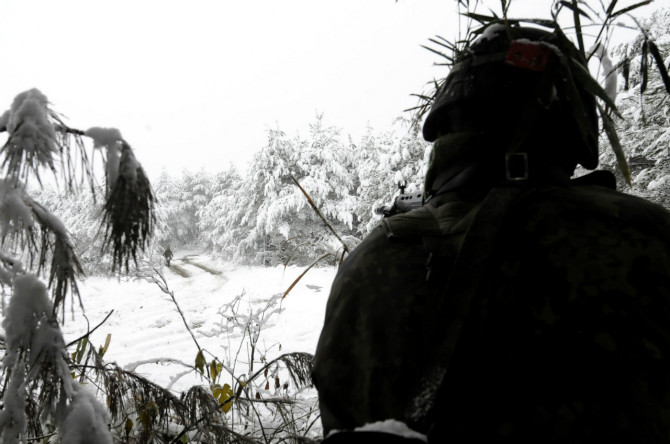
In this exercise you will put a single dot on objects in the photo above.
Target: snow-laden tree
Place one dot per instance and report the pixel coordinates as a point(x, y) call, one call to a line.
point(39, 394)
point(214, 223)
point(645, 107)
point(179, 200)
point(231, 214)
point(385, 161)
point(268, 219)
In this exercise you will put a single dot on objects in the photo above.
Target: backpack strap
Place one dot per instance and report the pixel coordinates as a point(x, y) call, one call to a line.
point(459, 292)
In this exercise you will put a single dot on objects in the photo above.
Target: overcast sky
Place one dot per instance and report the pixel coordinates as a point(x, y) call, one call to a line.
point(197, 84)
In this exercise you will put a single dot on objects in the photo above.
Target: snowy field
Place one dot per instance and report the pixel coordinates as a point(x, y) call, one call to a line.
point(148, 334)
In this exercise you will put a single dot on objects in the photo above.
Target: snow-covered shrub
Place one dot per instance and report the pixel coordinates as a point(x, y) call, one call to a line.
point(40, 397)
point(39, 373)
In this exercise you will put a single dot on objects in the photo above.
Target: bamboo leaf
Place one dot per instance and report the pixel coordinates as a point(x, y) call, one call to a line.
point(316, 210)
point(288, 290)
point(81, 349)
point(103, 349)
point(630, 8)
point(299, 366)
point(423, 97)
point(574, 8)
point(626, 72)
point(293, 253)
point(644, 67)
point(129, 212)
point(610, 8)
point(610, 131)
point(578, 25)
point(592, 86)
point(483, 19)
point(445, 40)
point(659, 63)
point(414, 108)
point(437, 52)
point(450, 46)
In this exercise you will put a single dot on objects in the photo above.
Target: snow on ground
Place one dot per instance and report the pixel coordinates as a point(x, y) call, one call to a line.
point(147, 331)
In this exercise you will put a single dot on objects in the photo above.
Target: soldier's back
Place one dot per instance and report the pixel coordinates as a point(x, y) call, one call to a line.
point(568, 338)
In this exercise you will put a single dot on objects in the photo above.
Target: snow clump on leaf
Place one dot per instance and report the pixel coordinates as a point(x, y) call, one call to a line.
point(103, 137)
point(14, 212)
point(13, 420)
point(108, 138)
point(32, 136)
point(86, 420)
point(29, 306)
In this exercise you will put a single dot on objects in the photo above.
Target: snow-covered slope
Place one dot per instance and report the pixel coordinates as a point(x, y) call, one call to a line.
point(149, 335)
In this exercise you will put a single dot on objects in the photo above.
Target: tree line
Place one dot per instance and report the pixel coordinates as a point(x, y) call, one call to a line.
point(261, 217)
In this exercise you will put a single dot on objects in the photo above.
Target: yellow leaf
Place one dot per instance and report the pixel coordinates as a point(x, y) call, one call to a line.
point(200, 362)
point(226, 398)
point(104, 348)
point(129, 426)
point(216, 390)
point(213, 370)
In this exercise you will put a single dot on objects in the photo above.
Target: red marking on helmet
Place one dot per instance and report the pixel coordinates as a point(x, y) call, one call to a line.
point(528, 55)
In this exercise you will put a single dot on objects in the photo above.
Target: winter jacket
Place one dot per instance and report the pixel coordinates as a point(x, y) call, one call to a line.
point(566, 340)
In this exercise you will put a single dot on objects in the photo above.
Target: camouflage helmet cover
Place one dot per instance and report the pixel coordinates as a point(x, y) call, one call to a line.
point(512, 73)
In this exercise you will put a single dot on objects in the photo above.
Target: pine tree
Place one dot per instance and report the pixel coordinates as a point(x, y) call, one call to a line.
point(179, 201)
point(266, 219)
point(384, 161)
point(219, 233)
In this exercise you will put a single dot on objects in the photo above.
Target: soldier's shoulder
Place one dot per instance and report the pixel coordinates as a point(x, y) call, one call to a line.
point(600, 205)
point(605, 200)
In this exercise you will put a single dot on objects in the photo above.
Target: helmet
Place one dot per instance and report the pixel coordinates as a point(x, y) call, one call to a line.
point(516, 85)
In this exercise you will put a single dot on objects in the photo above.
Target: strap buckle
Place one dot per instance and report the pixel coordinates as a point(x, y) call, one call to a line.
point(516, 166)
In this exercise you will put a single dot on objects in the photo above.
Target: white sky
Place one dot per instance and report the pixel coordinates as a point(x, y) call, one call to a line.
point(196, 84)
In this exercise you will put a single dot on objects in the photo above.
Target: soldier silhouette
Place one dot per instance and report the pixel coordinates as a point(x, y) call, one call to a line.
point(517, 304)
point(167, 254)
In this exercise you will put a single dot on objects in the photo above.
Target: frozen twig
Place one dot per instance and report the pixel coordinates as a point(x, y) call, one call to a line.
point(288, 290)
point(316, 209)
point(163, 285)
point(90, 331)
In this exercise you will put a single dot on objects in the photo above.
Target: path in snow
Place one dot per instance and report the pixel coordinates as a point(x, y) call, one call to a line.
point(179, 271)
point(148, 334)
point(188, 260)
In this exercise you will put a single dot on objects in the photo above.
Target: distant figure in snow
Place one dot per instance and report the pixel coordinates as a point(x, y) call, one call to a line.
point(168, 256)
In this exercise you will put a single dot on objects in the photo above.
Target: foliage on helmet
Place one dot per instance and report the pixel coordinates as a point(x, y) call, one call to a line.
point(584, 98)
